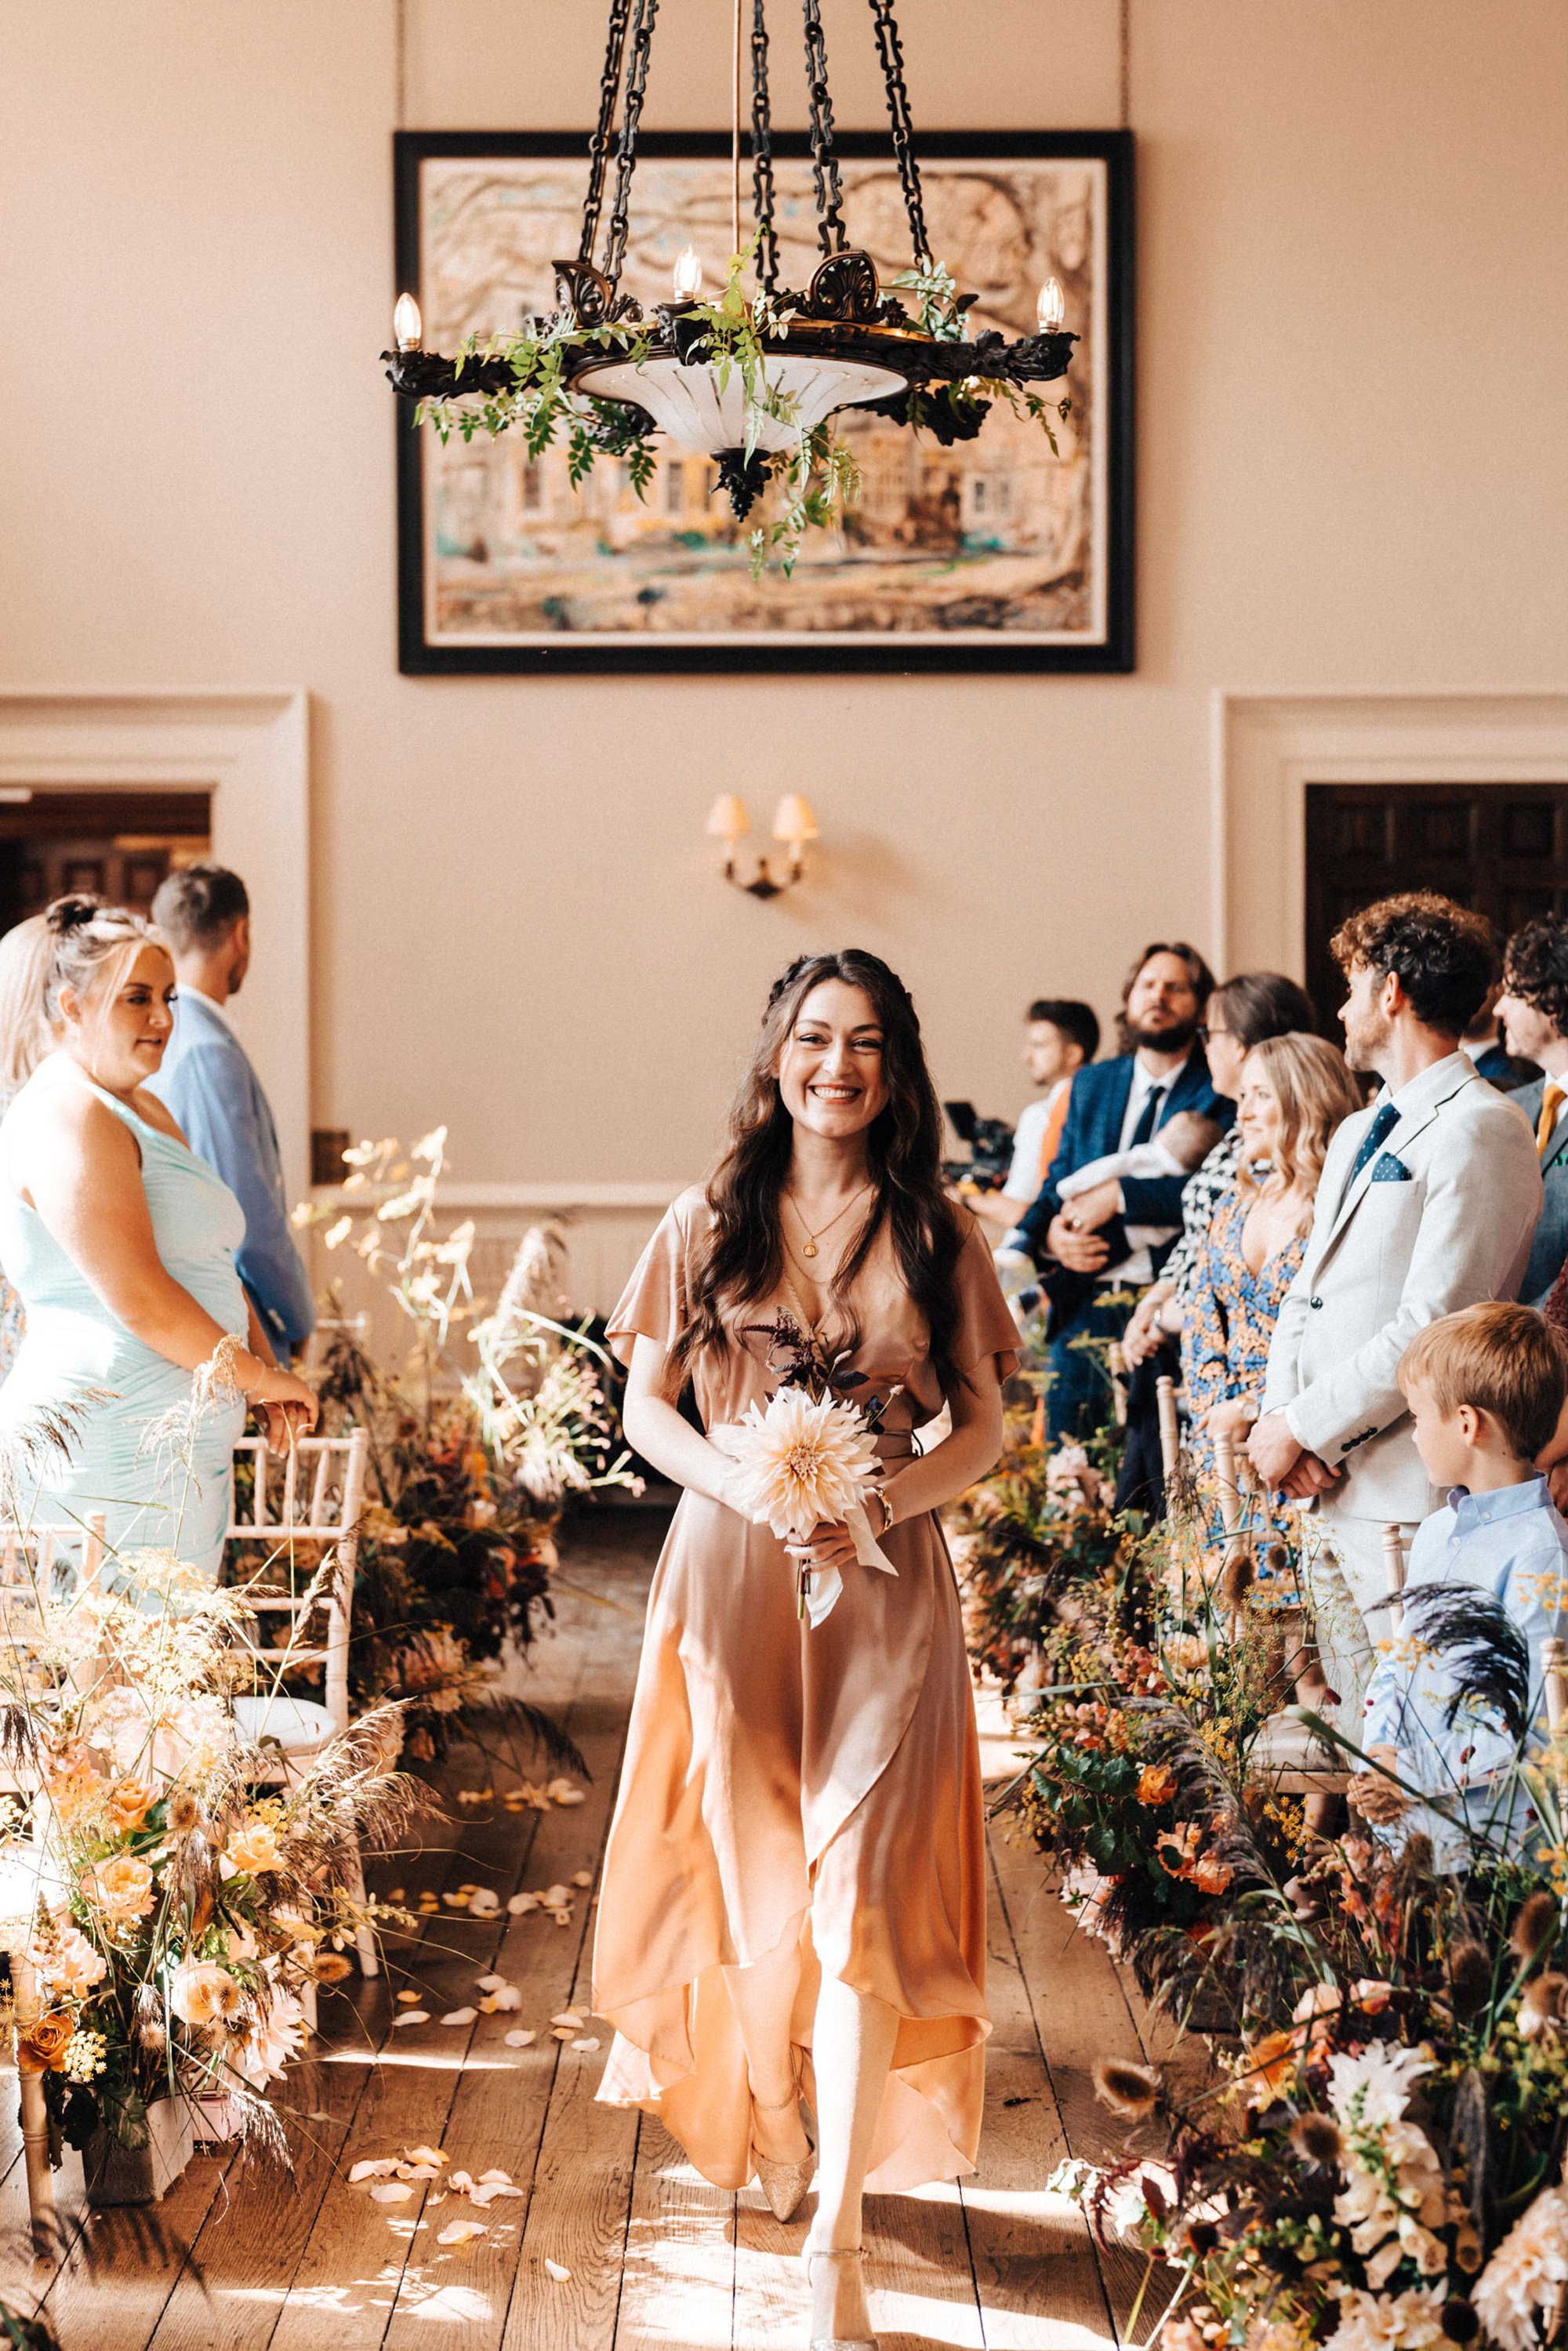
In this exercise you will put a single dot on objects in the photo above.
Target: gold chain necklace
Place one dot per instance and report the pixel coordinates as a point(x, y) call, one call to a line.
point(813, 1237)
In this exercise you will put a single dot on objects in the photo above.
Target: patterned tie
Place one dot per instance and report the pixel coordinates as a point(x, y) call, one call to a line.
point(1144, 1129)
point(1546, 1125)
point(1376, 1135)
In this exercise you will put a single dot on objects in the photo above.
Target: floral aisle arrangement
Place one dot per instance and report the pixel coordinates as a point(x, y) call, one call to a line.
point(1377, 2157)
point(184, 1906)
point(477, 1435)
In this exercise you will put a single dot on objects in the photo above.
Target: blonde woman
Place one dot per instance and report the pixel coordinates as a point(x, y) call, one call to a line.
point(121, 1243)
point(1294, 1091)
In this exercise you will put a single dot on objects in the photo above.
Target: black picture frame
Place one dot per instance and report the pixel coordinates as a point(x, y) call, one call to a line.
point(1115, 651)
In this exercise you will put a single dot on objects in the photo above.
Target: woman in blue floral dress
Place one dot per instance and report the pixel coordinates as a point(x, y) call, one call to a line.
point(1294, 1091)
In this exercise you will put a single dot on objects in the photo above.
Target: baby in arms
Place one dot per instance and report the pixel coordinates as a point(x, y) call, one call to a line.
point(1181, 1145)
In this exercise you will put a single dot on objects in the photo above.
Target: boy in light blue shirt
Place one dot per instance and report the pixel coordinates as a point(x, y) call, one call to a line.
point(1486, 1389)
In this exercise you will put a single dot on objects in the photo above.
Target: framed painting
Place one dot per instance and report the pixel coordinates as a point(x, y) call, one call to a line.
point(998, 553)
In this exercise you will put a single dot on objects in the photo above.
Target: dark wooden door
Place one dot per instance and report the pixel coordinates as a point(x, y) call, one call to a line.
point(1502, 849)
point(118, 844)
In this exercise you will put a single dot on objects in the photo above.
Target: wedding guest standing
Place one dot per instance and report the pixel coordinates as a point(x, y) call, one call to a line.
point(1427, 1202)
point(1060, 1036)
point(1294, 1091)
point(207, 1081)
point(794, 1899)
point(1533, 1007)
point(1114, 1106)
point(121, 1243)
point(1486, 1043)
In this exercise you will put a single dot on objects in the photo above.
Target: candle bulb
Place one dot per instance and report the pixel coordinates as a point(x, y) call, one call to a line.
point(688, 274)
point(408, 327)
point(1052, 307)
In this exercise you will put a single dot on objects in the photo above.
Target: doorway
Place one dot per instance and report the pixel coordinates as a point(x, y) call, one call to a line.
point(1502, 849)
point(118, 845)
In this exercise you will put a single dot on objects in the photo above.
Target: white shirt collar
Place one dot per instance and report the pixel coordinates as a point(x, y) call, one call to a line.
point(219, 1011)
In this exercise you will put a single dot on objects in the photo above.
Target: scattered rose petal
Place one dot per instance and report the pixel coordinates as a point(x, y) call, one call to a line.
point(457, 2232)
point(572, 2016)
point(410, 2016)
point(583, 1877)
point(418, 2172)
point(487, 2005)
point(392, 2191)
point(490, 1983)
point(561, 1917)
point(520, 1903)
point(554, 2270)
point(461, 2180)
point(407, 1999)
point(561, 1791)
point(457, 1901)
point(489, 2179)
point(374, 2167)
point(485, 1904)
point(460, 2016)
point(483, 2198)
point(590, 2042)
point(395, 1895)
point(509, 1998)
point(554, 1896)
point(561, 2032)
point(521, 2039)
point(424, 2154)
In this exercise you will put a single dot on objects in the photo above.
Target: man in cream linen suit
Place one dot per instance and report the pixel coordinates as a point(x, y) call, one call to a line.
point(1427, 1202)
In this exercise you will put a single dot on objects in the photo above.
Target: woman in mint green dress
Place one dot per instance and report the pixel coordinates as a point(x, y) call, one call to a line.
point(120, 1244)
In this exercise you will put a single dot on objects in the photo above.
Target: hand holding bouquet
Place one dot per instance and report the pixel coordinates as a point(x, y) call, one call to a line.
point(809, 1460)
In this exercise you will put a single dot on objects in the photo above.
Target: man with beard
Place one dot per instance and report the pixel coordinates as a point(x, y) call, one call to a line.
point(1427, 1202)
point(1120, 1233)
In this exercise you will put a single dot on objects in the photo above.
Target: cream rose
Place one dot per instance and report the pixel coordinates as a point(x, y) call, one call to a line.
point(201, 1992)
point(71, 1964)
point(254, 1849)
point(121, 1888)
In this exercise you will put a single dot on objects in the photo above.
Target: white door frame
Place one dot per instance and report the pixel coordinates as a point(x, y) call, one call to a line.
point(250, 749)
point(1266, 749)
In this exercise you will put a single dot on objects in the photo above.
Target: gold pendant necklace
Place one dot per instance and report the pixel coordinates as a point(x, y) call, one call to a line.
point(810, 1249)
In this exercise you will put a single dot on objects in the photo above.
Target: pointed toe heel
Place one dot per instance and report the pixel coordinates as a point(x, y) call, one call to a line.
point(784, 2184)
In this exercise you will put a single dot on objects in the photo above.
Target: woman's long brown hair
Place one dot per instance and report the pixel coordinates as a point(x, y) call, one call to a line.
point(743, 1256)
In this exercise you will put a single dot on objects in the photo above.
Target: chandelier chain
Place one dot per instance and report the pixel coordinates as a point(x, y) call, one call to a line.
point(824, 156)
point(626, 155)
point(599, 146)
point(762, 195)
point(1125, 29)
point(891, 50)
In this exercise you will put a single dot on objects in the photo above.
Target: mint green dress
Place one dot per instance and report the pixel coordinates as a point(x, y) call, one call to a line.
point(77, 1358)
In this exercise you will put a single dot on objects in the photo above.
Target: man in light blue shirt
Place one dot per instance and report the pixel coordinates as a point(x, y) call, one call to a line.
point(1486, 1388)
point(208, 1083)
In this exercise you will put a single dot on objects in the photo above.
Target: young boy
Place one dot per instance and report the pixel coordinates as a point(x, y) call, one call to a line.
point(1486, 1388)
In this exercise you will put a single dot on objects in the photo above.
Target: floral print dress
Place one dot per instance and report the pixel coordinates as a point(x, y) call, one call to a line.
point(1230, 1321)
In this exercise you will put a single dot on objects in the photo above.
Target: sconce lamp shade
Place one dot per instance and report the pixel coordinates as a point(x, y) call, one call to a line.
point(793, 820)
point(727, 819)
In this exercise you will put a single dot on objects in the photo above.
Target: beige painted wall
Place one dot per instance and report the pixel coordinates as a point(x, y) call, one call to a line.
point(1351, 362)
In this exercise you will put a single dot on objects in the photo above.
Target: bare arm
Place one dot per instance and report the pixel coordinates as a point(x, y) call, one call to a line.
point(657, 1431)
point(78, 1167)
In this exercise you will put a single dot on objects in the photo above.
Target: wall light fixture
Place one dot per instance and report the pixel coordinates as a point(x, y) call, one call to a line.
point(793, 824)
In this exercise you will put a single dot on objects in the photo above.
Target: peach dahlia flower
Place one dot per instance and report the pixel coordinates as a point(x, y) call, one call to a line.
point(803, 1464)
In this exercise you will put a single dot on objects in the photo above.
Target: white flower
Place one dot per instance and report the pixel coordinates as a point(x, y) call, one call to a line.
point(272, 2042)
point(1379, 2322)
point(802, 1463)
point(1373, 2086)
point(1517, 2281)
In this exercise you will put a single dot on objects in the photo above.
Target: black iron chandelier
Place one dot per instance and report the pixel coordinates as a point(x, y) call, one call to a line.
point(749, 382)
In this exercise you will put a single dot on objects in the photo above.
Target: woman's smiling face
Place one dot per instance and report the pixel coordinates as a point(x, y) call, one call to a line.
point(119, 1034)
point(829, 1070)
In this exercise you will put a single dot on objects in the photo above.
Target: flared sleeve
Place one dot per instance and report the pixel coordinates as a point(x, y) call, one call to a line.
point(984, 1326)
point(654, 1302)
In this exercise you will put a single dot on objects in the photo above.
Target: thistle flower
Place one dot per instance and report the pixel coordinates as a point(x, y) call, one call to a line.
point(1316, 2138)
point(201, 1992)
point(1535, 1928)
point(802, 1463)
point(1469, 1977)
point(1237, 1577)
point(1543, 2005)
point(183, 1812)
point(1131, 2091)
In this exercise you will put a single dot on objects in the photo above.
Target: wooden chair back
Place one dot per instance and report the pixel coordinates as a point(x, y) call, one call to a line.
point(32, 1560)
point(315, 1497)
point(1170, 1427)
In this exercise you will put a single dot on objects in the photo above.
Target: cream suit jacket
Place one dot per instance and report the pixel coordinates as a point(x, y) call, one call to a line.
point(1389, 1253)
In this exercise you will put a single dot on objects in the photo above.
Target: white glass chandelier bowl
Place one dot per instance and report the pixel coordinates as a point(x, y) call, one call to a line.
point(687, 403)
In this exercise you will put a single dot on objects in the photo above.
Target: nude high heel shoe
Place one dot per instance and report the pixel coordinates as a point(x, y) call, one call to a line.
point(783, 2184)
point(836, 2342)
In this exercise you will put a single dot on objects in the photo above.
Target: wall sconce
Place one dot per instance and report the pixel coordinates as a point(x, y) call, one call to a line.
point(793, 824)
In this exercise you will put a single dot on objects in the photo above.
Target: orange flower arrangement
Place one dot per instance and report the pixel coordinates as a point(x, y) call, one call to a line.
point(122, 1887)
point(48, 2039)
point(1156, 1784)
point(129, 1802)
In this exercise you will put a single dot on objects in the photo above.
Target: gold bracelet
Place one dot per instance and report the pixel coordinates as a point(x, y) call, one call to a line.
point(879, 1494)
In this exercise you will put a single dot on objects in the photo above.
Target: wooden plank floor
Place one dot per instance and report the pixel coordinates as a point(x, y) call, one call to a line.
point(658, 2261)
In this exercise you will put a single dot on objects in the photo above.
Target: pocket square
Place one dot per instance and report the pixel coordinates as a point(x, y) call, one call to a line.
point(1390, 1170)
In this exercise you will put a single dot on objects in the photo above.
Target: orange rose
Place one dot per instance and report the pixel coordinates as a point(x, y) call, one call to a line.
point(129, 1802)
point(46, 2040)
point(1156, 1784)
point(1210, 1875)
point(1272, 2064)
point(121, 1888)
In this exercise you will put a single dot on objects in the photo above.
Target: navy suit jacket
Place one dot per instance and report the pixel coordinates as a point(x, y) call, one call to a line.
point(207, 1081)
point(1095, 1109)
point(1549, 1247)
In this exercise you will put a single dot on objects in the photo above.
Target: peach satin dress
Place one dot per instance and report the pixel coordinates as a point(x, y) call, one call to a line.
point(786, 1786)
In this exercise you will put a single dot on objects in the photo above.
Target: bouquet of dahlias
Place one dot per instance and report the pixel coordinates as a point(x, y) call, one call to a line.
point(809, 1460)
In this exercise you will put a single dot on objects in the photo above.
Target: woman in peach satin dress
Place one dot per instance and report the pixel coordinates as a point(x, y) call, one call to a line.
point(793, 1903)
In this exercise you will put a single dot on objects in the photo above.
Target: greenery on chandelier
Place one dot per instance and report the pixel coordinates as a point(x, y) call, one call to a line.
point(818, 478)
